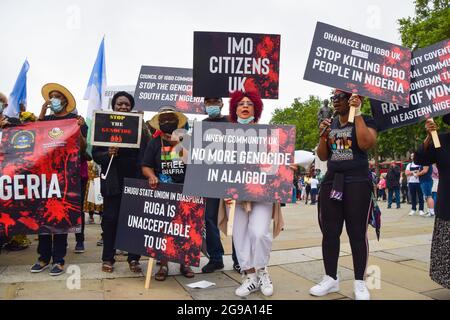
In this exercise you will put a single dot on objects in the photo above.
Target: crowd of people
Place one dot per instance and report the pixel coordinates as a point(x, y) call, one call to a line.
point(346, 193)
point(416, 185)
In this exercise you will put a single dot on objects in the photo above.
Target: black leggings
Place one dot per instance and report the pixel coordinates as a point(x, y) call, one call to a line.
point(354, 210)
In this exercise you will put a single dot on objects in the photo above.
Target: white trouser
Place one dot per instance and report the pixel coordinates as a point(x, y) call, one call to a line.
point(252, 237)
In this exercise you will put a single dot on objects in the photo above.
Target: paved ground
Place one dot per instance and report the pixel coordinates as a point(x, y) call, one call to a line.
point(398, 265)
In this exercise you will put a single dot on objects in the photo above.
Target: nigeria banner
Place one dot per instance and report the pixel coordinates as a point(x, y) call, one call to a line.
point(40, 188)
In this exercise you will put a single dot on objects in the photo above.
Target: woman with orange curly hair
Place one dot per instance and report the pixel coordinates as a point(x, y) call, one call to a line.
point(252, 238)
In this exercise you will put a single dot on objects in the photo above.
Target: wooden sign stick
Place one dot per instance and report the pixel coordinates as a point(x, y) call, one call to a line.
point(434, 135)
point(351, 114)
point(231, 211)
point(148, 277)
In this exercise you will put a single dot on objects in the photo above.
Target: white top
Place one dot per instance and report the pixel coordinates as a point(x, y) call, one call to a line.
point(413, 168)
point(314, 183)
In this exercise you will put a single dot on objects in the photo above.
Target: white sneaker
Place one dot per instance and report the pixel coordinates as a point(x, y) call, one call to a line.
point(326, 286)
point(265, 283)
point(429, 215)
point(412, 212)
point(421, 213)
point(249, 285)
point(360, 290)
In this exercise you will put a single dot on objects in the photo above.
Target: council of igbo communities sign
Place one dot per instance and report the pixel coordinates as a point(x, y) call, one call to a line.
point(242, 162)
point(359, 64)
point(40, 178)
point(430, 90)
point(162, 86)
point(117, 129)
point(162, 223)
point(227, 62)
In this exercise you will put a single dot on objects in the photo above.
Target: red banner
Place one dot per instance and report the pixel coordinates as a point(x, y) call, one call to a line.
point(40, 188)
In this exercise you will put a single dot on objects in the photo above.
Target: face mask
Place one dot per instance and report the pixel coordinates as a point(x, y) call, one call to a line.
point(168, 127)
point(246, 121)
point(213, 111)
point(2, 107)
point(56, 105)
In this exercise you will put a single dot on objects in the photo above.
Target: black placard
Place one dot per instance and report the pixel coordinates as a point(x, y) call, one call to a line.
point(117, 129)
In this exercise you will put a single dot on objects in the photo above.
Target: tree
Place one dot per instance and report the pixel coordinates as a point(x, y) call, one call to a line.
point(303, 115)
point(430, 25)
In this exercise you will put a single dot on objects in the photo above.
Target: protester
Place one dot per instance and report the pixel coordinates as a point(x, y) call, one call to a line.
point(435, 176)
point(125, 164)
point(165, 161)
point(251, 232)
point(89, 206)
point(404, 188)
point(307, 181)
point(54, 246)
point(382, 188)
point(440, 246)
point(346, 192)
point(6, 121)
point(393, 184)
point(412, 172)
point(426, 185)
point(314, 189)
point(213, 107)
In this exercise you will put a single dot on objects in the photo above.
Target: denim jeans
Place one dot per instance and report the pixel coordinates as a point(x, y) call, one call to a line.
point(397, 196)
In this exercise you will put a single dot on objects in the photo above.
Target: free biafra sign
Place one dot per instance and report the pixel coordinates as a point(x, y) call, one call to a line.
point(117, 129)
point(162, 223)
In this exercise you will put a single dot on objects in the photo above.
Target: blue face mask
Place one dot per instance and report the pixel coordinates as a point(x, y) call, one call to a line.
point(56, 105)
point(213, 111)
point(2, 107)
point(245, 121)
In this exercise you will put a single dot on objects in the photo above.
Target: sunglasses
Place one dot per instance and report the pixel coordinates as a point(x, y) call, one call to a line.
point(245, 103)
point(339, 96)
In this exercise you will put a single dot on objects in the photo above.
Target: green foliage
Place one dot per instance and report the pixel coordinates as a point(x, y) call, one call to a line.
point(303, 115)
point(430, 25)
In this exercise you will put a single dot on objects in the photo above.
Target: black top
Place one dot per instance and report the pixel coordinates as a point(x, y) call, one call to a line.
point(165, 160)
point(52, 117)
point(345, 155)
point(125, 165)
point(393, 177)
point(12, 122)
point(441, 157)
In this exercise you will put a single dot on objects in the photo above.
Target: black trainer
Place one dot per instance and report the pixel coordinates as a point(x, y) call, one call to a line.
point(57, 269)
point(237, 267)
point(212, 266)
point(39, 267)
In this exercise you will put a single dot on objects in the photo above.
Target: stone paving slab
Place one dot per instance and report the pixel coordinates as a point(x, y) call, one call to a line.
point(397, 274)
point(389, 256)
point(387, 291)
point(226, 293)
point(316, 252)
point(314, 270)
point(288, 286)
point(133, 289)
point(57, 290)
point(417, 264)
point(219, 278)
point(88, 271)
point(8, 291)
point(439, 294)
point(420, 253)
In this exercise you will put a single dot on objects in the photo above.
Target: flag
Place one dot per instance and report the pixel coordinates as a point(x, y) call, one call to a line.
point(19, 93)
point(95, 89)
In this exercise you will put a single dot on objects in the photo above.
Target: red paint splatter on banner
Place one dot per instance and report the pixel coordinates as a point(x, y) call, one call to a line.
point(6, 221)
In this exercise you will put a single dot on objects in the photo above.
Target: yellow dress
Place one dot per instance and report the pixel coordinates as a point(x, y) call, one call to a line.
point(93, 173)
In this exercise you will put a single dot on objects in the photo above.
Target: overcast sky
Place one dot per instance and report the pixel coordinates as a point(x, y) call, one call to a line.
point(61, 38)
